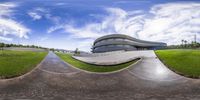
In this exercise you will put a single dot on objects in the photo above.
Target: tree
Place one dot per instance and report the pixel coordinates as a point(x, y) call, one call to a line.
point(185, 41)
point(1, 48)
point(6, 45)
point(182, 42)
point(76, 51)
point(52, 49)
point(11, 45)
point(2, 45)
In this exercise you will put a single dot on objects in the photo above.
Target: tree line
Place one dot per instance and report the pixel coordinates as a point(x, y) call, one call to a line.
point(2, 45)
point(185, 44)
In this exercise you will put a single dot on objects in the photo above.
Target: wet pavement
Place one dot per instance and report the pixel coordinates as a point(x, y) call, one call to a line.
point(55, 80)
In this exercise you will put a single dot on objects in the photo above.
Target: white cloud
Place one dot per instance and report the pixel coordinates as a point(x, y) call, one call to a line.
point(118, 22)
point(60, 4)
point(54, 19)
point(54, 28)
point(172, 22)
point(6, 8)
point(12, 27)
point(43, 38)
point(39, 13)
point(5, 38)
point(9, 26)
point(168, 23)
point(34, 15)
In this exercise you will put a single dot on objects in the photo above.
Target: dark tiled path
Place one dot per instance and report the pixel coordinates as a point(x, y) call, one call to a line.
point(54, 80)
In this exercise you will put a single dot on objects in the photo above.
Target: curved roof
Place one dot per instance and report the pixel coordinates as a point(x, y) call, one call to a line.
point(139, 42)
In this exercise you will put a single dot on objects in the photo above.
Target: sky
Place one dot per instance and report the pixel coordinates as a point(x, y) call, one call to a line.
point(71, 24)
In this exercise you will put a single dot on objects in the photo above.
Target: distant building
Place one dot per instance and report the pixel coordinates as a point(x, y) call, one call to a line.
point(116, 42)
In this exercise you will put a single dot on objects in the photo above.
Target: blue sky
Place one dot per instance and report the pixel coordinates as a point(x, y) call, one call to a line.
point(70, 24)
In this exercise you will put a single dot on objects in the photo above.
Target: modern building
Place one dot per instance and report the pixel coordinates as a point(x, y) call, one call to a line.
point(116, 42)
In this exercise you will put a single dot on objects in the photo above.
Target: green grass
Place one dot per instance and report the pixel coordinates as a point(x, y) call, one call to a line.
point(90, 67)
point(15, 63)
point(186, 62)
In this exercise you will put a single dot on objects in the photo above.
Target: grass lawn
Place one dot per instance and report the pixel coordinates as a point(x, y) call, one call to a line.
point(186, 62)
point(15, 63)
point(92, 68)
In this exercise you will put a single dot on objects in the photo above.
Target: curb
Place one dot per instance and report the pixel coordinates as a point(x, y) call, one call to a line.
point(178, 73)
point(103, 73)
point(106, 64)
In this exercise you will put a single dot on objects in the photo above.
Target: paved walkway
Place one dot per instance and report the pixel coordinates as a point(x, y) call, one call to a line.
point(24, 49)
point(107, 58)
point(54, 80)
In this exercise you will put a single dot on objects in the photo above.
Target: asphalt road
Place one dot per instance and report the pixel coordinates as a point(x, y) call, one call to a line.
point(55, 80)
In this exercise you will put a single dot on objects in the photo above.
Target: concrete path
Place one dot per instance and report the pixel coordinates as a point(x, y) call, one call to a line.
point(151, 68)
point(24, 49)
point(54, 80)
point(111, 58)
